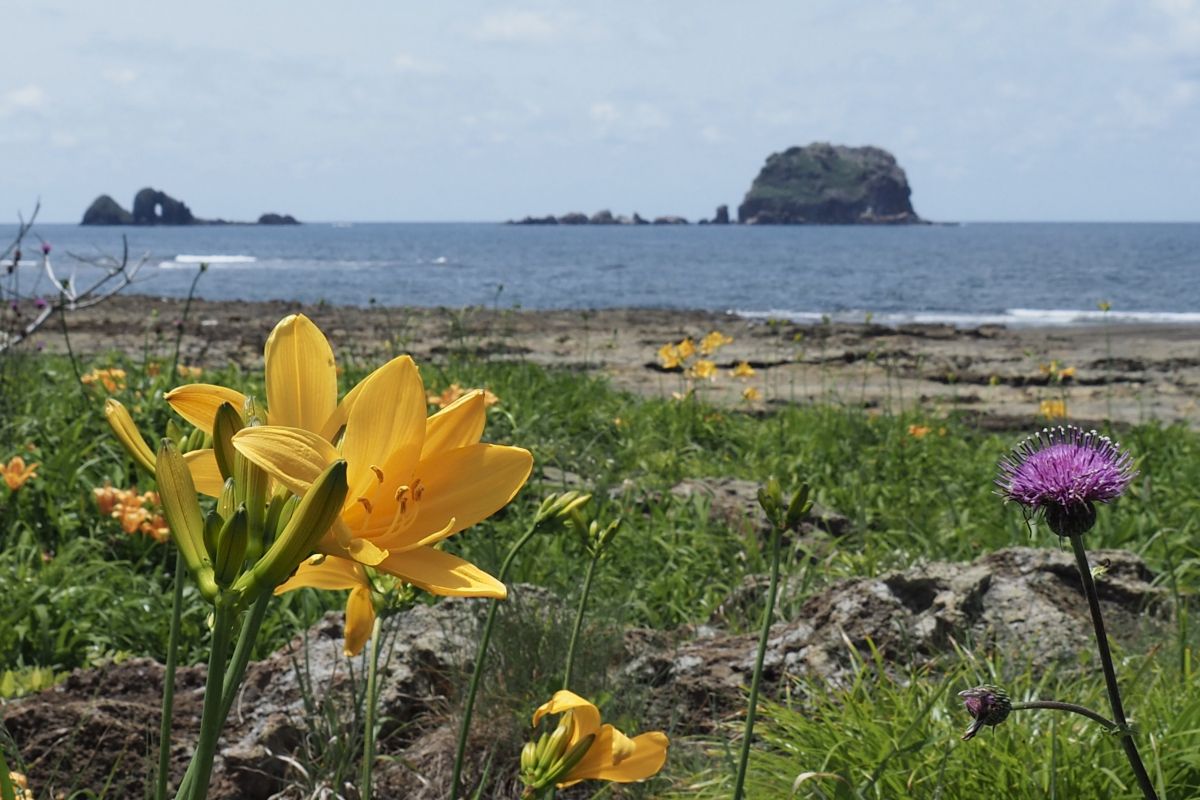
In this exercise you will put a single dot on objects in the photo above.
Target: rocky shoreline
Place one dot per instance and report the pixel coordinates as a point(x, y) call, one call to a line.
point(999, 376)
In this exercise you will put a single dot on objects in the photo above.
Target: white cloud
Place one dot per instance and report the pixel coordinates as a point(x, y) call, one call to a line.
point(711, 134)
point(412, 65)
point(24, 98)
point(121, 76)
point(633, 123)
point(515, 27)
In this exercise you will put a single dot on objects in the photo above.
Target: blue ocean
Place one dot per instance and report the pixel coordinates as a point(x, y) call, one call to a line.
point(970, 274)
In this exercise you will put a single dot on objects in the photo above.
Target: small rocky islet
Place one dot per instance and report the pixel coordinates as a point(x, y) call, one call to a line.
point(819, 184)
point(154, 207)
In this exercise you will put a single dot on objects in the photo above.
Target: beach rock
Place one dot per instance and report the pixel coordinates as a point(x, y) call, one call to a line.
point(277, 219)
point(670, 219)
point(106, 211)
point(154, 207)
point(829, 185)
point(603, 217)
point(1001, 602)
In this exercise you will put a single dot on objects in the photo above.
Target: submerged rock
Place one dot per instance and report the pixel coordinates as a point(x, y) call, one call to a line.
point(829, 185)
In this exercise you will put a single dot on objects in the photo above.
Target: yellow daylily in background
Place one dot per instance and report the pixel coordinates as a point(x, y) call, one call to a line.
point(743, 370)
point(714, 341)
point(16, 473)
point(611, 756)
point(413, 481)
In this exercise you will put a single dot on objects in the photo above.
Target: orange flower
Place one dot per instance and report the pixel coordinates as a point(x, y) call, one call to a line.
point(919, 431)
point(113, 380)
point(455, 392)
point(16, 473)
point(107, 497)
point(185, 371)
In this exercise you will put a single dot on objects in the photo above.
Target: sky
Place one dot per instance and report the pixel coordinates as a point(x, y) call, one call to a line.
point(380, 110)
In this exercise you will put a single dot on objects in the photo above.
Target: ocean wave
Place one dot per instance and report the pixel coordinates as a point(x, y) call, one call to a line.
point(1011, 317)
point(187, 260)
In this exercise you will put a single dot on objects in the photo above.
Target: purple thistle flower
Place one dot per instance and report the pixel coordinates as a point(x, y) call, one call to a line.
point(1062, 472)
point(40, 302)
point(987, 705)
point(45, 248)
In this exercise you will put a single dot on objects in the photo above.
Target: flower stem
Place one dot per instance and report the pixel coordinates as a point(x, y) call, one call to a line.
point(235, 672)
point(368, 760)
point(480, 656)
point(768, 613)
point(211, 718)
point(168, 695)
point(583, 598)
point(1110, 674)
point(1055, 705)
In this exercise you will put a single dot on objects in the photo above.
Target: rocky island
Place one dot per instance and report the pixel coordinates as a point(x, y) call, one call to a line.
point(155, 207)
point(827, 184)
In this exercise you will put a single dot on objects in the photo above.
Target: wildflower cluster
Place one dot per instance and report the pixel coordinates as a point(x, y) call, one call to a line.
point(687, 356)
point(136, 513)
point(113, 380)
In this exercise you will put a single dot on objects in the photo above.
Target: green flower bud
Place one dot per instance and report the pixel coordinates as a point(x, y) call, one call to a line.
point(182, 512)
point(226, 423)
point(231, 547)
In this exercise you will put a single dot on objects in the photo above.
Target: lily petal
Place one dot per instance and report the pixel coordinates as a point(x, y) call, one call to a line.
point(205, 472)
point(587, 716)
point(339, 417)
point(649, 753)
point(360, 620)
point(385, 428)
point(301, 375)
point(443, 574)
point(457, 425)
point(467, 484)
point(331, 573)
point(198, 402)
point(292, 456)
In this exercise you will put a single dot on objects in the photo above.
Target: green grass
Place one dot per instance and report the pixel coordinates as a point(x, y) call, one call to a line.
point(77, 591)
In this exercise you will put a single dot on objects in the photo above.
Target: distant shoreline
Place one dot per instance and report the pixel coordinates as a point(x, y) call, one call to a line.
point(998, 375)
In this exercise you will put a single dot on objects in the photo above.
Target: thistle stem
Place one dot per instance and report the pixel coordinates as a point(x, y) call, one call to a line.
point(368, 760)
point(587, 588)
point(1110, 674)
point(768, 613)
point(168, 693)
point(480, 656)
point(1055, 705)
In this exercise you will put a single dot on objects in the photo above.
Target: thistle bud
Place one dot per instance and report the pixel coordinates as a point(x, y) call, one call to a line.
point(987, 705)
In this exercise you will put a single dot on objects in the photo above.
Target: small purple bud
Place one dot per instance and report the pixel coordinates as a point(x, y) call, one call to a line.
point(40, 302)
point(987, 705)
point(45, 248)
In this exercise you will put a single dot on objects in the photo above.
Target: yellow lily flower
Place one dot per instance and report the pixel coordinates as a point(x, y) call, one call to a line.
point(714, 341)
point(16, 473)
point(703, 369)
point(668, 356)
point(340, 573)
point(412, 481)
point(301, 379)
point(743, 370)
point(611, 756)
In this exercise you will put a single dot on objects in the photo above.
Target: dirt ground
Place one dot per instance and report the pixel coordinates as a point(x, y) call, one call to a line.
point(1125, 373)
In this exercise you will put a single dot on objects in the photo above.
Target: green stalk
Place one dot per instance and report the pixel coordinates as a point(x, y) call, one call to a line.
point(187, 307)
point(368, 761)
point(587, 588)
point(235, 672)
point(480, 656)
point(211, 720)
point(768, 613)
point(168, 694)
point(1110, 674)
